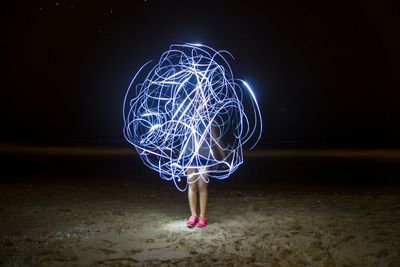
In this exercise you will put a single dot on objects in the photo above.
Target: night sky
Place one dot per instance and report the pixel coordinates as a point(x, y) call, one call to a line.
point(325, 74)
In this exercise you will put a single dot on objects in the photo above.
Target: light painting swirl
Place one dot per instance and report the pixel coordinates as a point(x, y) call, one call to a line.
point(189, 112)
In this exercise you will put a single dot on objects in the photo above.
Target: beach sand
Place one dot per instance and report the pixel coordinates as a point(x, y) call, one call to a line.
point(122, 224)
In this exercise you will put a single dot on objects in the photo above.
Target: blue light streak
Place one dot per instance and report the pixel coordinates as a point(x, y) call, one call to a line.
point(188, 112)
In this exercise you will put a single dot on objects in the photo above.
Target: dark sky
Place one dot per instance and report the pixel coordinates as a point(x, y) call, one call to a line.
point(325, 74)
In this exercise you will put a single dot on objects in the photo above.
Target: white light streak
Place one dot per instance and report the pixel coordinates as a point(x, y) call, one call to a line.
point(188, 112)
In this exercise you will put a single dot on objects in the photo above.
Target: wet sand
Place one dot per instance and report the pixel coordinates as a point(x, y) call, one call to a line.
point(123, 224)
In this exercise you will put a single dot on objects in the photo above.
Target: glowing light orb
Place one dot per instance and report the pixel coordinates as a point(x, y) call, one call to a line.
point(187, 113)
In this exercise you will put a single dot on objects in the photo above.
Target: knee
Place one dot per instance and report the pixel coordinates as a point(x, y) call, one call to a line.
point(202, 187)
point(193, 187)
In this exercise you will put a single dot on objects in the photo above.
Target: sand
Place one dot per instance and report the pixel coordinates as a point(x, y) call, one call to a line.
point(100, 224)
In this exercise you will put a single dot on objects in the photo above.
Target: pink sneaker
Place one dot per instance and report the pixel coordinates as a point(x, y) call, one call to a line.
point(192, 221)
point(202, 222)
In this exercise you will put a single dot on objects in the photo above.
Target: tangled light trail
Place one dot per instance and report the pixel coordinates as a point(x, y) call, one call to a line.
point(189, 113)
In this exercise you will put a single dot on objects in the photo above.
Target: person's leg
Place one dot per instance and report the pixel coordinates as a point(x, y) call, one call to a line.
point(192, 192)
point(203, 192)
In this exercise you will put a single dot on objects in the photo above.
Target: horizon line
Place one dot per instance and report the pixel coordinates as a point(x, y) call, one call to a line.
point(59, 150)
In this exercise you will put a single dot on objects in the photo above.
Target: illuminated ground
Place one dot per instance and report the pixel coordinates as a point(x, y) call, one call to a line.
point(98, 206)
point(119, 224)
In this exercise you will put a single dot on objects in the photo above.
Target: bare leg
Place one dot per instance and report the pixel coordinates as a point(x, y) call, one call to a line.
point(203, 192)
point(192, 193)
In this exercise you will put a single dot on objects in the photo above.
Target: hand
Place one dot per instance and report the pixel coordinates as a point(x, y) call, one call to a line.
point(221, 166)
